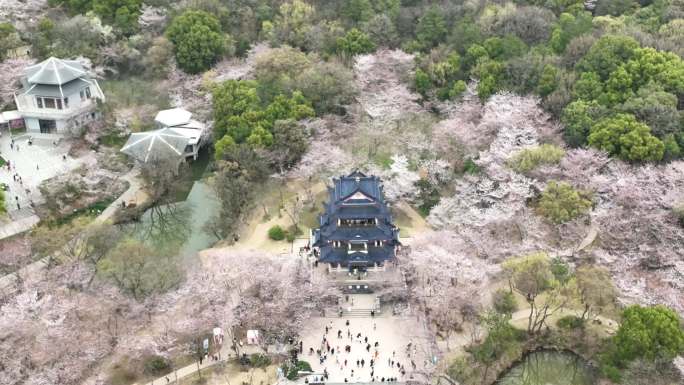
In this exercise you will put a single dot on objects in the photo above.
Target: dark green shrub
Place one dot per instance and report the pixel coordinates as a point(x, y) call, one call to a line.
point(303, 366)
point(258, 360)
point(156, 365)
point(470, 167)
point(679, 213)
point(570, 322)
point(531, 158)
point(276, 233)
point(611, 372)
point(560, 202)
point(198, 40)
point(292, 233)
point(428, 196)
point(290, 236)
point(291, 371)
point(504, 302)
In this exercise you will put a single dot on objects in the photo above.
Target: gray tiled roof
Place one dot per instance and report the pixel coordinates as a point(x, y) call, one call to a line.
point(71, 88)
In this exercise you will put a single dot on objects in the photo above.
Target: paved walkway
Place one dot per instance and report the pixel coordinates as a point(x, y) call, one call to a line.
point(191, 369)
point(132, 195)
point(19, 221)
point(227, 353)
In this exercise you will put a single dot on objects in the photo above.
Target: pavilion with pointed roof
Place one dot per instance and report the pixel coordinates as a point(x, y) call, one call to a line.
point(57, 97)
point(177, 136)
point(356, 230)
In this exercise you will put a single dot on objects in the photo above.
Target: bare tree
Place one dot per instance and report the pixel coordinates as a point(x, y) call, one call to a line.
point(293, 209)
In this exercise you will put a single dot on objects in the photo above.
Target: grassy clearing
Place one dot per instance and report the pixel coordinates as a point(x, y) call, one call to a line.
point(113, 140)
point(311, 213)
point(409, 221)
point(133, 92)
point(268, 211)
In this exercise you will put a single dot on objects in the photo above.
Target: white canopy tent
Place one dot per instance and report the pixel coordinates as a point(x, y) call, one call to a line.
point(173, 117)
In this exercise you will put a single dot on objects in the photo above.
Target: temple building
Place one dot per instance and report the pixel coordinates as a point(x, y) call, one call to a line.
point(356, 230)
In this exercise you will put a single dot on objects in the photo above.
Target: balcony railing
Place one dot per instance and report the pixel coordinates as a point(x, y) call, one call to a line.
point(26, 104)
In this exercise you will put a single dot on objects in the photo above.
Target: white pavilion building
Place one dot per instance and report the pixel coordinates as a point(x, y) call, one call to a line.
point(177, 136)
point(57, 97)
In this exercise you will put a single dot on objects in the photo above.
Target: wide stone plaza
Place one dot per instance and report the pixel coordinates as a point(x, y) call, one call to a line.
point(45, 158)
point(393, 335)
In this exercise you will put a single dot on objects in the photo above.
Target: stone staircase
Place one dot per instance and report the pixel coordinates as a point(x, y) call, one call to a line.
point(354, 313)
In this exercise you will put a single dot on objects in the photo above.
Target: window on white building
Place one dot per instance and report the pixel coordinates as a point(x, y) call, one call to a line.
point(55, 103)
point(87, 90)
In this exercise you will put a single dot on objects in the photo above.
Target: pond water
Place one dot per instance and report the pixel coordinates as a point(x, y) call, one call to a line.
point(549, 368)
point(179, 228)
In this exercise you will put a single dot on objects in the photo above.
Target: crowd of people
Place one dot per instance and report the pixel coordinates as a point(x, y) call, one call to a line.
point(19, 189)
point(359, 356)
point(12, 168)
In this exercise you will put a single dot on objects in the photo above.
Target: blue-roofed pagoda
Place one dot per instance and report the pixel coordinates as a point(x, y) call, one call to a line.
point(356, 229)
